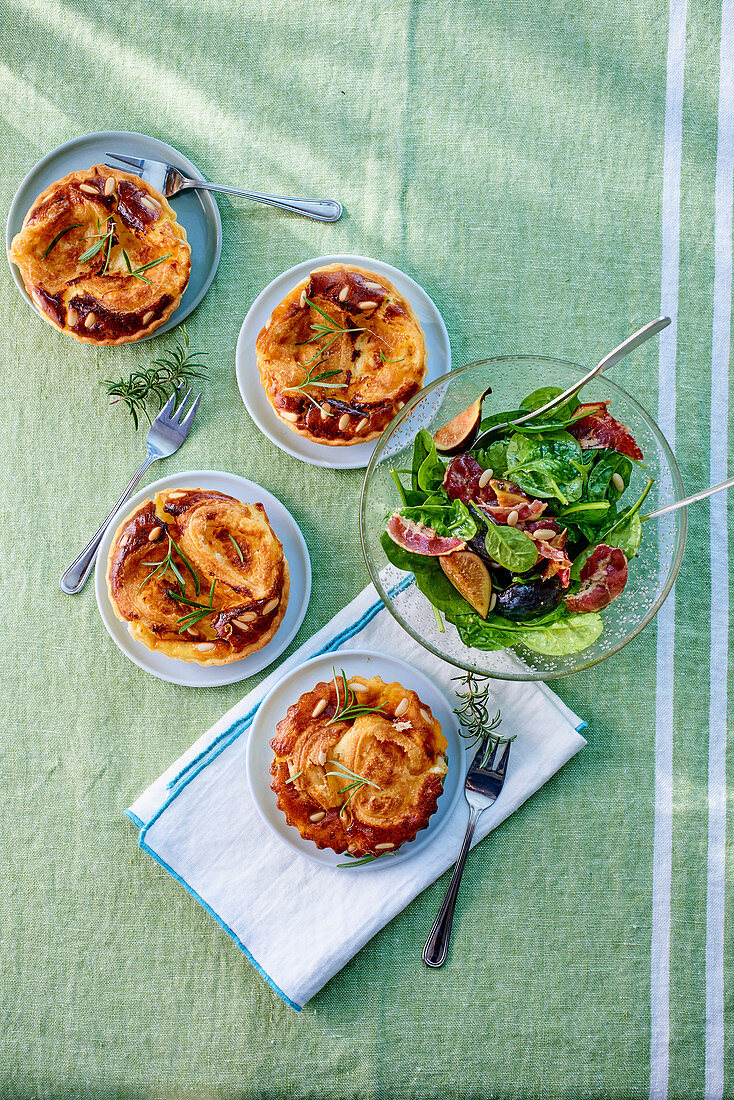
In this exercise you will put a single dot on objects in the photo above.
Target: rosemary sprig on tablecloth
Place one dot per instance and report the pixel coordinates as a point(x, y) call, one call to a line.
point(473, 713)
point(155, 384)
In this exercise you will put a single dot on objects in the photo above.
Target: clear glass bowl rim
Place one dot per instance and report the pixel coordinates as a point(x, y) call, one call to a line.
point(680, 538)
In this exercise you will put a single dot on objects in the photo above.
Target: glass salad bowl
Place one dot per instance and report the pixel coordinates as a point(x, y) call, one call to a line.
point(512, 378)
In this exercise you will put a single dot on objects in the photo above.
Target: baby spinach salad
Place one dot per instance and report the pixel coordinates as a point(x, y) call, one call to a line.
point(519, 534)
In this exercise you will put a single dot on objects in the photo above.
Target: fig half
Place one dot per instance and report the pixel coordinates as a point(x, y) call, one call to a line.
point(459, 434)
point(470, 577)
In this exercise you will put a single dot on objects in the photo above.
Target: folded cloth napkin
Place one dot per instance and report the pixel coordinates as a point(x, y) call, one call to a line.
point(198, 820)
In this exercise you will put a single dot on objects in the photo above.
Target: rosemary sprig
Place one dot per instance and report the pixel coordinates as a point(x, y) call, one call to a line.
point(157, 383)
point(473, 713)
point(293, 778)
point(332, 329)
point(136, 272)
point(355, 783)
point(102, 239)
point(202, 610)
point(237, 547)
point(358, 862)
point(160, 568)
point(384, 358)
point(348, 707)
point(312, 380)
point(58, 237)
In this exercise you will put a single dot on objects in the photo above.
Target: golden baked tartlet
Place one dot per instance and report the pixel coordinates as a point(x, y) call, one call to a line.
point(340, 355)
point(359, 765)
point(102, 256)
point(199, 576)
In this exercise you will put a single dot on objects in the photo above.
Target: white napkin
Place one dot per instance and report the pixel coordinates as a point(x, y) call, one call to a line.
point(198, 819)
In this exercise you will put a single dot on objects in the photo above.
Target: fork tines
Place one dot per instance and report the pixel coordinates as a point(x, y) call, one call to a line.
point(134, 162)
point(486, 754)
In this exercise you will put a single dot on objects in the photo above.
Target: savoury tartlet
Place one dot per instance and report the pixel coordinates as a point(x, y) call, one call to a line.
point(358, 765)
point(102, 256)
point(340, 355)
point(199, 576)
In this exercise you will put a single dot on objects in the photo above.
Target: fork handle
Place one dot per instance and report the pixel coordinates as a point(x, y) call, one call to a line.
point(437, 944)
point(74, 578)
point(322, 210)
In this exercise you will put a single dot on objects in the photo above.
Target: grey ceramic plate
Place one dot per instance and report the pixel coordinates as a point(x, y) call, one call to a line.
point(196, 210)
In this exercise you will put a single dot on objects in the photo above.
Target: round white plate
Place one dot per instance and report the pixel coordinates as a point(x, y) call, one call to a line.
point(299, 565)
point(289, 689)
point(248, 376)
point(196, 210)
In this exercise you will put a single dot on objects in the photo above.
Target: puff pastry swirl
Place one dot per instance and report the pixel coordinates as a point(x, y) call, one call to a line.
point(99, 300)
point(373, 350)
point(191, 550)
point(397, 757)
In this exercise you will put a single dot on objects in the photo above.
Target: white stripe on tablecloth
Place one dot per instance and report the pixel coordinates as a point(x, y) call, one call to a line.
point(663, 844)
point(721, 347)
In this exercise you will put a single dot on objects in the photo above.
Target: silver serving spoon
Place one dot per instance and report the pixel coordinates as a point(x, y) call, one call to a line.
point(628, 345)
point(690, 500)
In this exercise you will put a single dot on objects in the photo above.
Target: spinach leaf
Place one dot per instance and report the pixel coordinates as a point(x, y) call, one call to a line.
point(552, 466)
point(538, 398)
point(501, 418)
point(429, 476)
point(511, 548)
point(562, 635)
point(593, 511)
point(436, 586)
point(570, 634)
point(494, 457)
point(600, 485)
point(452, 518)
point(479, 634)
point(624, 533)
point(411, 498)
point(422, 446)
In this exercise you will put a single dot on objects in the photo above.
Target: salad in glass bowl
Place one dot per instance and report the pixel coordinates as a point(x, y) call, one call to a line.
point(527, 537)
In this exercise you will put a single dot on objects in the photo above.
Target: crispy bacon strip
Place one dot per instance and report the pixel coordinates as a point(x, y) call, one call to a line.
point(498, 498)
point(553, 549)
point(419, 539)
point(599, 429)
point(603, 577)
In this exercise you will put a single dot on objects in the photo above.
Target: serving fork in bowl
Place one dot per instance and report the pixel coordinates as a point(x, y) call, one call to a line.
point(169, 180)
point(165, 436)
point(484, 781)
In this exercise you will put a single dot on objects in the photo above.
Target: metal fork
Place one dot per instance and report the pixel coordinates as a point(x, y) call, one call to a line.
point(167, 179)
point(165, 436)
point(484, 781)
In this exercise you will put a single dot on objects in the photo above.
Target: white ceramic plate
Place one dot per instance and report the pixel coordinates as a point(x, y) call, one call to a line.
point(248, 376)
point(196, 210)
point(296, 554)
point(303, 678)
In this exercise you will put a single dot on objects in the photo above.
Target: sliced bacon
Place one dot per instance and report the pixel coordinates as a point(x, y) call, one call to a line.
point(598, 429)
point(603, 577)
point(461, 481)
point(510, 498)
point(553, 549)
point(419, 539)
point(498, 499)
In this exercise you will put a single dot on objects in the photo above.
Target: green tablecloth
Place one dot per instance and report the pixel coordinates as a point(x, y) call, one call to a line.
point(554, 174)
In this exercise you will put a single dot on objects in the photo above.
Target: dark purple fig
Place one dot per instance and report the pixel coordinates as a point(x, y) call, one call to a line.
point(459, 434)
point(529, 601)
point(470, 577)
